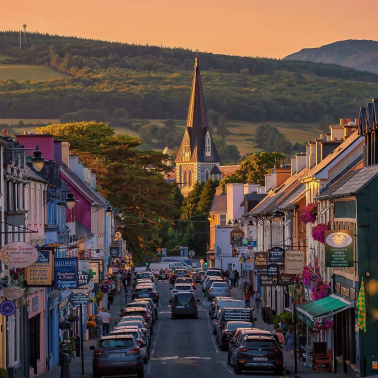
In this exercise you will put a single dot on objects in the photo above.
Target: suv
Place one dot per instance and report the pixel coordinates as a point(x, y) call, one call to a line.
point(219, 288)
point(184, 304)
point(213, 273)
point(259, 353)
point(145, 291)
point(117, 355)
point(240, 314)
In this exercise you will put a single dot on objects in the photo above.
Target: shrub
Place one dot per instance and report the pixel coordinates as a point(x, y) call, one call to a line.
point(91, 324)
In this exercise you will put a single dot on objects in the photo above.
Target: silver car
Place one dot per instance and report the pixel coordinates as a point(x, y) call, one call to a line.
point(219, 289)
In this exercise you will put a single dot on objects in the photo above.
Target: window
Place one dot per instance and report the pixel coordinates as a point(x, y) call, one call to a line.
point(190, 179)
point(185, 178)
point(207, 145)
point(186, 148)
point(222, 220)
point(207, 175)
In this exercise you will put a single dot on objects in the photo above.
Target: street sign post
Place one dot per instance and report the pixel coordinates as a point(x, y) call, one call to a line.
point(201, 262)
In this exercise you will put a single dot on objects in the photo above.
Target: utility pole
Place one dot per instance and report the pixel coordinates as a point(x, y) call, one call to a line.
point(24, 26)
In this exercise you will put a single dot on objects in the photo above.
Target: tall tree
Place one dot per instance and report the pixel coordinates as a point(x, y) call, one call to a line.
point(222, 128)
point(207, 195)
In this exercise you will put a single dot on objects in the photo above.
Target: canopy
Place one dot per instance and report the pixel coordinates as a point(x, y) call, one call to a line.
point(311, 311)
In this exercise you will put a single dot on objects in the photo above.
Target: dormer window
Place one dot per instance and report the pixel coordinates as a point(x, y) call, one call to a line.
point(207, 144)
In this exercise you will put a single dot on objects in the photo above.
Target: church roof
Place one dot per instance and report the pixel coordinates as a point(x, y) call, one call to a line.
point(197, 127)
point(215, 171)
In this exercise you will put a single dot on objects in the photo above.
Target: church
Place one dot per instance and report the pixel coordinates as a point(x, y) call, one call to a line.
point(197, 158)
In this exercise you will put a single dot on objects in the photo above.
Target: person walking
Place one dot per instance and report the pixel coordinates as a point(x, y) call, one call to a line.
point(237, 275)
point(257, 299)
point(247, 298)
point(281, 337)
point(232, 278)
point(289, 340)
point(106, 320)
point(98, 320)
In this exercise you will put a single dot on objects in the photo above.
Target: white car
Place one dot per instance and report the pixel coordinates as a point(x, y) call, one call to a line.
point(208, 282)
point(182, 288)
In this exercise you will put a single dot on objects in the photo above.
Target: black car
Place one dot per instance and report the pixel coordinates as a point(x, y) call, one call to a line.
point(184, 304)
point(117, 355)
point(259, 353)
point(226, 334)
point(146, 291)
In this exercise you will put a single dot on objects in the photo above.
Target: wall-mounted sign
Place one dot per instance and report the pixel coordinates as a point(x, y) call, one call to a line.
point(261, 259)
point(115, 250)
point(18, 254)
point(66, 273)
point(13, 292)
point(236, 236)
point(272, 271)
point(7, 308)
point(339, 248)
point(294, 262)
point(248, 266)
point(94, 271)
point(252, 243)
point(284, 279)
point(80, 299)
point(245, 242)
point(277, 255)
point(268, 281)
point(41, 273)
point(35, 304)
point(84, 278)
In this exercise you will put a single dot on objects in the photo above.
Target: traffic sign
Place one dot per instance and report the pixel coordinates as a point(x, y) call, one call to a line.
point(191, 253)
point(201, 261)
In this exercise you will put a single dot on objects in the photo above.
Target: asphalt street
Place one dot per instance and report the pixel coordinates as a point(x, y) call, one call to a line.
point(185, 347)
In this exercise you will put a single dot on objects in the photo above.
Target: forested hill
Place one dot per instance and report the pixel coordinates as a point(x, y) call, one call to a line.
point(357, 54)
point(154, 82)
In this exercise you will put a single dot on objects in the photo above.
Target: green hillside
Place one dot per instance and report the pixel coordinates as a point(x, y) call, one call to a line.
point(20, 72)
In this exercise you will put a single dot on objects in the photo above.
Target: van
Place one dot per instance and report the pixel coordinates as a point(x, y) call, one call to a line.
point(184, 304)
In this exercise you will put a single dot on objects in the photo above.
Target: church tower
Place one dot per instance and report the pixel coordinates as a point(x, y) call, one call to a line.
point(197, 158)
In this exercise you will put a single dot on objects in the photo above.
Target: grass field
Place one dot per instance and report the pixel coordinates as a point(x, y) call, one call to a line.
point(20, 72)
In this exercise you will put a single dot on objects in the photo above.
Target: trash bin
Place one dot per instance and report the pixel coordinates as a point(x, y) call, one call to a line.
point(206, 293)
point(77, 345)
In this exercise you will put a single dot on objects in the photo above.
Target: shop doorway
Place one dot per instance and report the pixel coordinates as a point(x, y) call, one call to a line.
point(34, 348)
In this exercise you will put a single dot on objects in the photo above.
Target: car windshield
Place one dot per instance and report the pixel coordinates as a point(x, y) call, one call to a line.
point(182, 280)
point(137, 312)
point(126, 332)
point(144, 290)
point(220, 284)
point(234, 326)
point(259, 344)
point(178, 287)
point(116, 343)
point(135, 323)
point(214, 273)
point(184, 298)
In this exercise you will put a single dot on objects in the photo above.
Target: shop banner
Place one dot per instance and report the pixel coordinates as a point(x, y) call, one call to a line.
point(294, 262)
point(79, 299)
point(252, 243)
point(284, 279)
point(94, 271)
point(268, 281)
point(66, 273)
point(18, 255)
point(84, 278)
point(339, 248)
point(13, 292)
point(261, 259)
point(41, 273)
point(277, 255)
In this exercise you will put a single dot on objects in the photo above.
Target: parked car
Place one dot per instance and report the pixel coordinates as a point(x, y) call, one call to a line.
point(227, 314)
point(200, 276)
point(137, 321)
point(151, 302)
point(213, 273)
point(178, 288)
point(259, 353)
point(140, 337)
point(228, 331)
point(184, 304)
point(146, 291)
point(133, 324)
point(230, 303)
point(239, 336)
point(208, 282)
point(219, 288)
point(117, 355)
point(145, 305)
point(139, 311)
point(220, 302)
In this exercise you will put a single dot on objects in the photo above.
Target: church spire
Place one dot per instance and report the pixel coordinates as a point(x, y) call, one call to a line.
point(197, 116)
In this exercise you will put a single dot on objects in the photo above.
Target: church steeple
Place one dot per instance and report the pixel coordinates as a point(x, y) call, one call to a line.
point(197, 116)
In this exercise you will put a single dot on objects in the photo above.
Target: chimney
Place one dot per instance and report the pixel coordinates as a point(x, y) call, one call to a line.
point(342, 121)
point(218, 191)
point(337, 132)
point(347, 121)
point(293, 166)
point(250, 188)
point(93, 180)
point(310, 154)
point(66, 153)
point(235, 196)
point(328, 136)
point(5, 132)
point(300, 161)
point(58, 151)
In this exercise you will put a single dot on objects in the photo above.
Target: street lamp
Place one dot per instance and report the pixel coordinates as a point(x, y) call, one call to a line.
point(250, 225)
point(229, 222)
point(38, 161)
point(235, 222)
point(121, 214)
point(277, 216)
point(109, 210)
point(70, 201)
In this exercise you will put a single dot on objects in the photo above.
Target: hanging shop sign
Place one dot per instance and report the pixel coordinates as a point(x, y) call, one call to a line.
point(248, 266)
point(268, 281)
point(66, 273)
point(237, 236)
point(79, 299)
point(18, 254)
point(284, 279)
point(339, 248)
point(272, 271)
point(7, 308)
point(294, 261)
point(261, 263)
point(13, 292)
point(41, 273)
point(83, 278)
point(94, 271)
point(245, 242)
point(115, 250)
point(277, 255)
point(252, 243)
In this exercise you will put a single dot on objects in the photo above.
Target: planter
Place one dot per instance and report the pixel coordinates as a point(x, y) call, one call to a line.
point(92, 333)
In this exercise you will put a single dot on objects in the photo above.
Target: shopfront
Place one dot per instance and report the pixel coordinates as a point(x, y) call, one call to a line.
point(52, 328)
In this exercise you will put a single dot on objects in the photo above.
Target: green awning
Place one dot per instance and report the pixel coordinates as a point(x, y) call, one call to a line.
point(311, 311)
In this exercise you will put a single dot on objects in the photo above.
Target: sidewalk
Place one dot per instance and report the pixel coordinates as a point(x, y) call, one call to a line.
point(75, 366)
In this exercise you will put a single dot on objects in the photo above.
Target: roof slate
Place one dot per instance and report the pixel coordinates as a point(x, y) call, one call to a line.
point(215, 171)
point(31, 175)
point(219, 204)
point(228, 169)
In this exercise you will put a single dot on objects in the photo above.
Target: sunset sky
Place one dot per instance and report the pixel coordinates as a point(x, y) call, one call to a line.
point(266, 28)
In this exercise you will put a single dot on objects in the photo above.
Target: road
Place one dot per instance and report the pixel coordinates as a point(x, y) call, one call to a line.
point(185, 348)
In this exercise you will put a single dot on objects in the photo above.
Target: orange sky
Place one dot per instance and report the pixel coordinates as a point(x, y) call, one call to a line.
point(272, 28)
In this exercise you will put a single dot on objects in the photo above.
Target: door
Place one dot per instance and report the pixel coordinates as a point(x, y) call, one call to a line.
point(34, 336)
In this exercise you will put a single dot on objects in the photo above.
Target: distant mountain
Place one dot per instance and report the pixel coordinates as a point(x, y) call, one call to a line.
point(361, 55)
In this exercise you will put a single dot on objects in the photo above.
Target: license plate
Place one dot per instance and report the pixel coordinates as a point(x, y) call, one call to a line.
point(260, 359)
point(117, 355)
point(180, 306)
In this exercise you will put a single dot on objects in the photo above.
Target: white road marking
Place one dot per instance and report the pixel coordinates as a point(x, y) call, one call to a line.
point(228, 369)
point(164, 358)
point(197, 358)
point(153, 348)
point(211, 335)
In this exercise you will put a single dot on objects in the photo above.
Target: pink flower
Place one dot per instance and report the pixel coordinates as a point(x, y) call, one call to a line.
point(309, 213)
point(317, 232)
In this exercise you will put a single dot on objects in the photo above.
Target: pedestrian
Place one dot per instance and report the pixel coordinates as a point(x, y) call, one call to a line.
point(98, 320)
point(281, 338)
point(237, 275)
point(289, 340)
point(247, 298)
point(232, 277)
point(106, 320)
point(257, 299)
point(227, 275)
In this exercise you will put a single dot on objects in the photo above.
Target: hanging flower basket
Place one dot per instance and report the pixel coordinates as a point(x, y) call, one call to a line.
point(105, 286)
point(73, 318)
point(317, 232)
point(323, 324)
point(320, 290)
point(308, 276)
point(309, 213)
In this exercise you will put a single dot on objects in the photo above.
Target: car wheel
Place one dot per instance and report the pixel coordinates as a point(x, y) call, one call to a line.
point(140, 374)
point(173, 316)
point(237, 369)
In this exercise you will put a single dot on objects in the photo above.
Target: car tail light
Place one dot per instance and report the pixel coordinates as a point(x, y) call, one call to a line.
point(244, 349)
point(278, 362)
point(99, 353)
point(221, 326)
point(134, 351)
point(140, 342)
point(174, 291)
